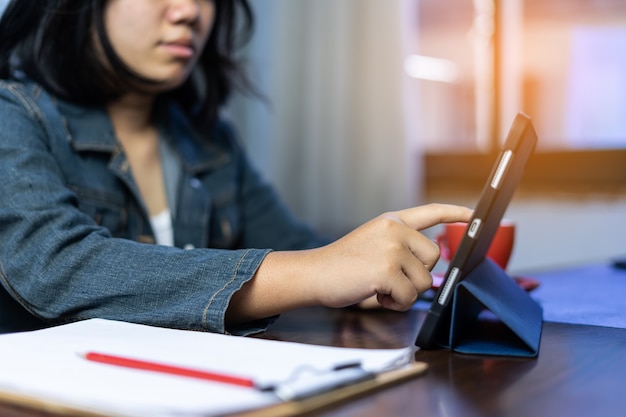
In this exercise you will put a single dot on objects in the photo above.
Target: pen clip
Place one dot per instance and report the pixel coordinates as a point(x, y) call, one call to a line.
point(308, 384)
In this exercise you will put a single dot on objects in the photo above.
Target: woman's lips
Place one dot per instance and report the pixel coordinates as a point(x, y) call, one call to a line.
point(179, 49)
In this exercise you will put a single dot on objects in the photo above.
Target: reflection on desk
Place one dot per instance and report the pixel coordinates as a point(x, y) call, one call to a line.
point(579, 371)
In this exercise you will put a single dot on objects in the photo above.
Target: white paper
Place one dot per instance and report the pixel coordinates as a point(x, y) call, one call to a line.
point(47, 364)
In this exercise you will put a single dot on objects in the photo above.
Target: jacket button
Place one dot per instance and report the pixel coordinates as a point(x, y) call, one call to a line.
point(189, 246)
point(195, 183)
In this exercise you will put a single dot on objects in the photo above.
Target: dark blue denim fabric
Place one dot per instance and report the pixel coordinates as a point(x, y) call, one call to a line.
point(75, 240)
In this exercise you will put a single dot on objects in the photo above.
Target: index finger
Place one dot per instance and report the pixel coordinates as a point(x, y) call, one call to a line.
point(423, 217)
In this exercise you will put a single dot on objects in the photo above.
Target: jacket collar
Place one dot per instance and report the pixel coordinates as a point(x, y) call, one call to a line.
point(90, 129)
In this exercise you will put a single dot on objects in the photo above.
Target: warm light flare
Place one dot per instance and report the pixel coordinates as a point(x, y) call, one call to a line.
point(432, 69)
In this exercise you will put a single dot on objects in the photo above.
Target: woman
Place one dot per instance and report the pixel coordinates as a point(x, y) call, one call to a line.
point(111, 142)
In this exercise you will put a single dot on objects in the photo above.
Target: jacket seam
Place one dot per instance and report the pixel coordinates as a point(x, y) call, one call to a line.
point(216, 293)
point(27, 102)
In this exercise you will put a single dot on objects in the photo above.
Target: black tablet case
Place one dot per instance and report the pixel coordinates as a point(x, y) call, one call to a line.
point(488, 313)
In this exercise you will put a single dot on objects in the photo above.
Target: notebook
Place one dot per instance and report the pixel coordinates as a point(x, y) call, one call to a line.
point(496, 195)
point(102, 367)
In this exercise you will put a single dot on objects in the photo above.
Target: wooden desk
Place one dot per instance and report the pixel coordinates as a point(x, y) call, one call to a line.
point(580, 370)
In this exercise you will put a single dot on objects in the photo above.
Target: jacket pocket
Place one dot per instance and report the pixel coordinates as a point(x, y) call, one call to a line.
point(106, 209)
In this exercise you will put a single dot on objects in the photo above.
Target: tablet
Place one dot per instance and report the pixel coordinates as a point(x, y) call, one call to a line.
point(493, 202)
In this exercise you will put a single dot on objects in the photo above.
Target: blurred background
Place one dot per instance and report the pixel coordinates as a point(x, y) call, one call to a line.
point(377, 105)
point(380, 105)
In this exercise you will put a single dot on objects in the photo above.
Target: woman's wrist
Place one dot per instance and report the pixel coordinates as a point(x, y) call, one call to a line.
point(284, 281)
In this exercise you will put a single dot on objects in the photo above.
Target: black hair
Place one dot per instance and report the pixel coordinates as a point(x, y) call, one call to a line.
point(51, 41)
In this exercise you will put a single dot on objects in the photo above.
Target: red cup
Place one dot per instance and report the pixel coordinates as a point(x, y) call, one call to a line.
point(499, 251)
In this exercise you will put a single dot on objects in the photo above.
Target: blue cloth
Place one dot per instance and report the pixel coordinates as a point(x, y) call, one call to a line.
point(592, 294)
point(75, 238)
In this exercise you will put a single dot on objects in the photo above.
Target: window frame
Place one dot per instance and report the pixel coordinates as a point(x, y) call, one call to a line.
point(578, 172)
point(548, 173)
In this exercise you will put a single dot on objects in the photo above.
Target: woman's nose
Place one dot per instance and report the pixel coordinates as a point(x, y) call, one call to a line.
point(186, 11)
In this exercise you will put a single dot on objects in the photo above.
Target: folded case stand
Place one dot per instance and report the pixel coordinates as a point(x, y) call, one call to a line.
point(492, 315)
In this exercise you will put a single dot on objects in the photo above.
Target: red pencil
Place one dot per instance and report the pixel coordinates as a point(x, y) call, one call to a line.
point(168, 369)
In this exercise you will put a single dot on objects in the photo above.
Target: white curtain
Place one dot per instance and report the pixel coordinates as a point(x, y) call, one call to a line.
point(337, 139)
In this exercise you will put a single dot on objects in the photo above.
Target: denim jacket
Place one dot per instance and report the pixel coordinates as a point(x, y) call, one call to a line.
point(75, 238)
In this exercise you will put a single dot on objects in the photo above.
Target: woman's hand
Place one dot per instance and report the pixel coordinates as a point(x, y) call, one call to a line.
point(387, 258)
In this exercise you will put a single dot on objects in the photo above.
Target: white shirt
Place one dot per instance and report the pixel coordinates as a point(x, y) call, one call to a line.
point(162, 227)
